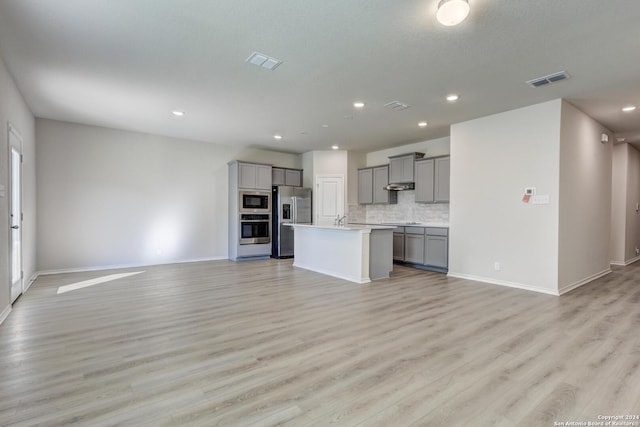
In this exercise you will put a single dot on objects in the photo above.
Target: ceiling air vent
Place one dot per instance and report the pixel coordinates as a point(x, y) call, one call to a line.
point(551, 78)
point(396, 105)
point(264, 61)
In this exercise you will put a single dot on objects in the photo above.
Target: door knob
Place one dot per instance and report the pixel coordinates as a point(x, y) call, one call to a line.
point(15, 227)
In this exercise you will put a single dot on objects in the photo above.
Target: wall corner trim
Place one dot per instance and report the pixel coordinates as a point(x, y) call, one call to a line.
point(503, 283)
point(584, 281)
point(5, 313)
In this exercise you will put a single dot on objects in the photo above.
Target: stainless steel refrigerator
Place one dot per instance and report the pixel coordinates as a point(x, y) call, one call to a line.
point(290, 205)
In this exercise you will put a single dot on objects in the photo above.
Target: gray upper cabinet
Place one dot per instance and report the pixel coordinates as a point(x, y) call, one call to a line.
point(371, 183)
point(365, 186)
point(284, 176)
point(254, 176)
point(424, 180)
point(401, 167)
point(293, 177)
point(441, 173)
point(432, 180)
point(277, 176)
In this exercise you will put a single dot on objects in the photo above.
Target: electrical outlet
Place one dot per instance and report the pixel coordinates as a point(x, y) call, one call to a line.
point(496, 266)
point(637, 251)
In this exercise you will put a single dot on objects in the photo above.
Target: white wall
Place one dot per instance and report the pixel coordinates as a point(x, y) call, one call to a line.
point(14, 110)
point(493, 159)
point(625, 220)
point(114, 198)
point(632, 231)
point(431, 148)
point(329, 162)
point(585, 199)
point(619, 204)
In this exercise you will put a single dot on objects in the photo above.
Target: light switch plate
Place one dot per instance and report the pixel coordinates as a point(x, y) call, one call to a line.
point(540, 200)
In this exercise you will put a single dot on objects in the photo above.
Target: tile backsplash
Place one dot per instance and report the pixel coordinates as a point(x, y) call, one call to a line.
point(405, 210)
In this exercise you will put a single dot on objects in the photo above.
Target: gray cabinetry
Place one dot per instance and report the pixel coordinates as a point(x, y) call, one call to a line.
point(401, 167)
point(371, 183)
point(432, 180)
point(414, 245)
point(424, 180)
point(436, 247)
point(423, 247)
point(365, 186)
point(398, 244)
point(285, 176)
point(254, 176)
point(441, 174)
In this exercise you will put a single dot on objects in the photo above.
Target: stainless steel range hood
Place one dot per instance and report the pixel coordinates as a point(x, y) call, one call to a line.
point(400, 187)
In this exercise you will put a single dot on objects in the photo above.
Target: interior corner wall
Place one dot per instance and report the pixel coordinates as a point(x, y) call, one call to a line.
point(111, 198)
point(14, 110)
point(619, 204)
point(325, 162)
point(632, 223)
point(585, 199)
point(493, 159)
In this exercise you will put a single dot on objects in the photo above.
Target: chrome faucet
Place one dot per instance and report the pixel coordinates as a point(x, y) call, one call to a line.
point(339, 221)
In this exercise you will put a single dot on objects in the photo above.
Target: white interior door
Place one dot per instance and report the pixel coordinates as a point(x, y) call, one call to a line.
point(329, 198)
point(15, 213)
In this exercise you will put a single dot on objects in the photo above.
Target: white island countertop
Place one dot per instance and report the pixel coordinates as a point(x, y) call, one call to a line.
point(358, 253)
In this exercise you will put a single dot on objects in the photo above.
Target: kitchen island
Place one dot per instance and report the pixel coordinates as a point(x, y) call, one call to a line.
point(358, 253)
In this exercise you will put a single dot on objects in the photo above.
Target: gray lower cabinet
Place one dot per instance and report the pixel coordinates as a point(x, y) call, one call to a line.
point(436, 247)
point(398, 244)
point(425, 247)
point(414, 248)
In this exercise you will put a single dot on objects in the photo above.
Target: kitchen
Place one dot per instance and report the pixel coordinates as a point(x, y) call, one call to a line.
point(414, 202)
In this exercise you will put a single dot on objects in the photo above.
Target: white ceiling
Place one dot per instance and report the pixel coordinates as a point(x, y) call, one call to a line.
point(127, 64)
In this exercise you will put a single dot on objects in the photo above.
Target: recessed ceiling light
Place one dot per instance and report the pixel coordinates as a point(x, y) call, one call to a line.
point(452, 12)
point(452, 97)
point(325, 126)
point(422, 124)
point(277, 136)
point(358, 104)
point(621, 139)
point(629, 108)
point(334, 147)
point(178, 113)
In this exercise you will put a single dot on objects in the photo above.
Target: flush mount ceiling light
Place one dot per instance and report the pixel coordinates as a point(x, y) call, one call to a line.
point(453, 97)
point(358, 104)
point(629, 108)
point(278, 137)
point(452, 12)
point(178, 113)
point(422, 124)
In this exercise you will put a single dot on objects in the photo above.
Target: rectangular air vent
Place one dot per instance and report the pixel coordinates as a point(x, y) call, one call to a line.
point(396, 105)
point(264, 61)
point(551, 78)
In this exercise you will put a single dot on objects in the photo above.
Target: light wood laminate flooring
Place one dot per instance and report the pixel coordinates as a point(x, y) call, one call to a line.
point(261, 344)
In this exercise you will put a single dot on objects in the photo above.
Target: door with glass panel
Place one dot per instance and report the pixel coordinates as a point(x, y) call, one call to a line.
point(15, 210)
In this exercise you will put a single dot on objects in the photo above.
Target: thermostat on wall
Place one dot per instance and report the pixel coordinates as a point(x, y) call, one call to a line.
point(530, 191)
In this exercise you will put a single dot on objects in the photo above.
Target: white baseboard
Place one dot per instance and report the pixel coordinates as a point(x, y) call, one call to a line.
point(625, 263)
point(121, 266)
point(333, 274)
point(503, 283)
point(30, 281)
point(584, 281)
point(5, 313)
